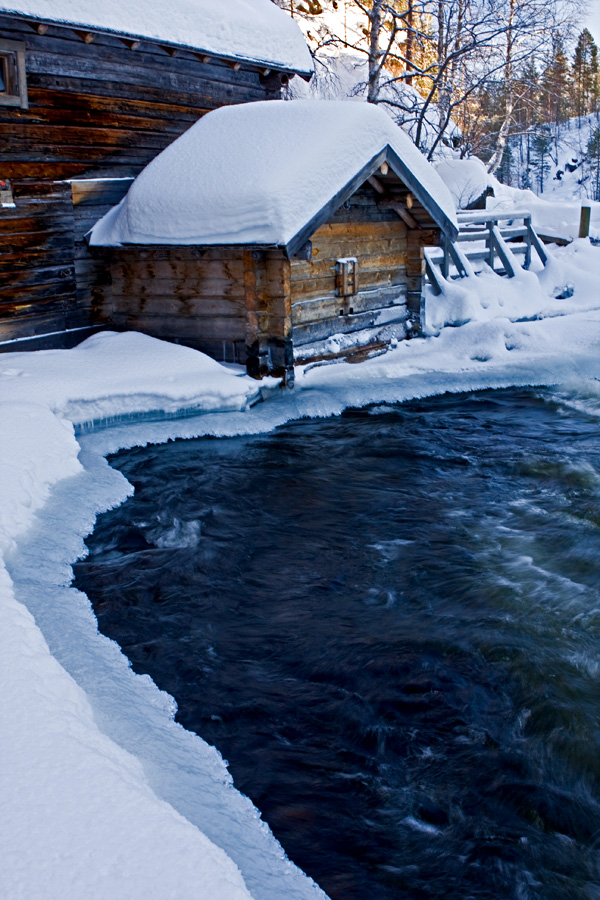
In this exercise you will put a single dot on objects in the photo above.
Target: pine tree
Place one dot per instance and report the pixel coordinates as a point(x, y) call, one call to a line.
point(555, 85)
point(593, 149)
point(541, 145)
point(585, 75)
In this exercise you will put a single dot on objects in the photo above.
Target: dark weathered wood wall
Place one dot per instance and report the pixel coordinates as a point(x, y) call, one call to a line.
point(190, 295)
point(378, 239)
point(233, 303)
point(101, 109)
point(96, 109)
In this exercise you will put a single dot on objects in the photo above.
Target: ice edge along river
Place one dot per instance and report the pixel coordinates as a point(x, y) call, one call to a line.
point(103, 793)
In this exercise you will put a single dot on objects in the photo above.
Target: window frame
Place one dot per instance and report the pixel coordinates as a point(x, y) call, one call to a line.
point(16, 82)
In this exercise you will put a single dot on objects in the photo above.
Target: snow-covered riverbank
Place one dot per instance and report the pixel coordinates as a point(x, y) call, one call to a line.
point(103, 794)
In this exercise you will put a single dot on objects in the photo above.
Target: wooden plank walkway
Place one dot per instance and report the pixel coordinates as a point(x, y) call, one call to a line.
point(500, 240)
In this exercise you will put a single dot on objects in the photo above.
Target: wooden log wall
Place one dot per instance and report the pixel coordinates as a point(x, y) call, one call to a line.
point(100, 109)
point(378, 239)
point(37, 271)
point(269, 348)
point(96, 110)
point(188, 295)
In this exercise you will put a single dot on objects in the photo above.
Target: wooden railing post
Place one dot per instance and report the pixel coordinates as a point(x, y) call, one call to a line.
point(489, 243)
point(584, 220)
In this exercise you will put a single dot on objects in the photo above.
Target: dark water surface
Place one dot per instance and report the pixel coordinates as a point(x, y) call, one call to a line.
point(389, 624)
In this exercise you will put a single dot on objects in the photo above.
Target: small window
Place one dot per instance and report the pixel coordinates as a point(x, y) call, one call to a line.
point(347, 276)
point(13, 81)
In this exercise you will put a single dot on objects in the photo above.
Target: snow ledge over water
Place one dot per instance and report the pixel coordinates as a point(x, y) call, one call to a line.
point(104, 795)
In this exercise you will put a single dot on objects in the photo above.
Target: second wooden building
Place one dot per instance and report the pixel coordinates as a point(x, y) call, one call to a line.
point(277, 232)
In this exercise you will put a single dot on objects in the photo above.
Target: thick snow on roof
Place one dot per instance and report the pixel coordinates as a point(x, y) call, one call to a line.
point(255, 30)
point(257, 174)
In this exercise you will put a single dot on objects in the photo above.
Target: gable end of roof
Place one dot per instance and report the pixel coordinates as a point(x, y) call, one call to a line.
point(388, 155)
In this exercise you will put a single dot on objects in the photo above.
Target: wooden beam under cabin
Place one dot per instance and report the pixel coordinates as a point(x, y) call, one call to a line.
point(171, 51)
point(203, 57)
point(39, 27)
point(130, 44)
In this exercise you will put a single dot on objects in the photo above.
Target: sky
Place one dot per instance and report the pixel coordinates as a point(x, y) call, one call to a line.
point(592, 19)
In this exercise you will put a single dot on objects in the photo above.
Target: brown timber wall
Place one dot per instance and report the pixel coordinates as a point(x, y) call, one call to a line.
point(96, 110)
point(101, 109)
point(233, 303)
point(378, 239)
point(37, 272)
point(189, 295)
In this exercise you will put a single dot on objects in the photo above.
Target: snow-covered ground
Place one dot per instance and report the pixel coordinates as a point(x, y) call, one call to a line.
point(103, 795)
point(467, 179)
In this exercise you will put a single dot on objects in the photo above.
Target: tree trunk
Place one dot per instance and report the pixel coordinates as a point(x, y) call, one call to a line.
point(375, 24)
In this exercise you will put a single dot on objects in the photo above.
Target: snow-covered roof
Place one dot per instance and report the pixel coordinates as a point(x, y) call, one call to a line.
point(253, 30)
point(264, 173)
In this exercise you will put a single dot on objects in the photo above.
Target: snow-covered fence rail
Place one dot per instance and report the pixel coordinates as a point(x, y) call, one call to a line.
point(482, 238)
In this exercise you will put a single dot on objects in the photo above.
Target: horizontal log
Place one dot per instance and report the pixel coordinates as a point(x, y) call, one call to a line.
point(320, 331)
point(58, 115)
point(33, 259)
point(186, 329)
point(167, 287)
point(318, 309)
point(76, 102)
point(351, 230)
point(25, 298)
point(18, 278)
point(326, 267)
point(133, 255)
point(180, 271)
point(13, 136)
point(29, 209)
point(35, 225)
point(41, 241)
point(13, 329)
point(169, 305)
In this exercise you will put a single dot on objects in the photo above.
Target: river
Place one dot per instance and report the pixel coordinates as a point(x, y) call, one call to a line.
point(389, 625)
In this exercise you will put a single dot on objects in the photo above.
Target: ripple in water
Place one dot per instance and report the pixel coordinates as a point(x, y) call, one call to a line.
point(388, 623)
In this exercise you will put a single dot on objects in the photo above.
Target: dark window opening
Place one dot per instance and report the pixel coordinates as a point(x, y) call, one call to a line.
point(13, 81)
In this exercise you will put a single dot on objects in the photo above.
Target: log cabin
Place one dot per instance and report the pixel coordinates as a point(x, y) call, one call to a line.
point(90, 92)
point(274, 233)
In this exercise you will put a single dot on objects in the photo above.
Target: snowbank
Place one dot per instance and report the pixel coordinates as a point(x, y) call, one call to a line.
point(254, 30)
point(84, 812)
point(466, 179)
point(567, 284)
point(114, 375)
point(79, 818)
point(258, 173)
point(104, 795)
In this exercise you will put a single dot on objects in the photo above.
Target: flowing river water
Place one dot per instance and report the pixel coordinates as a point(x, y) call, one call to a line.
point(389, 625)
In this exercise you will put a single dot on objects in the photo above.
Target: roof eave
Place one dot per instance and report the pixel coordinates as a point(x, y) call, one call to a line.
point(389, 155)
point(305, 74)
point(423, 196)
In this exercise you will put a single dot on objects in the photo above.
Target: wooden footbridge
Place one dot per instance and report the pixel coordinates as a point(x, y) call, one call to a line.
point(501, 240)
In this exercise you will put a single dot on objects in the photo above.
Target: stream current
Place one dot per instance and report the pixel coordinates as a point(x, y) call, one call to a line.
point(389, 625)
